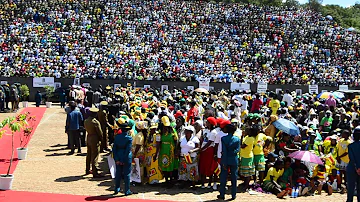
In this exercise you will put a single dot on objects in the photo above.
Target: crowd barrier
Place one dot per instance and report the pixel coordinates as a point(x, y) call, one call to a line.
point(158, 84)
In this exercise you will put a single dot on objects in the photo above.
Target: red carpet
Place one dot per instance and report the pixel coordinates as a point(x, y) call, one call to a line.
point(22, 196)
point(5, 141)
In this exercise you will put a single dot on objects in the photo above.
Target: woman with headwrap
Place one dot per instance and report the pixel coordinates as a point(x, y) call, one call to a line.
point(152, 167)
point(207, 164)
point(189, 144)
point(270, 131)
point(165, 149)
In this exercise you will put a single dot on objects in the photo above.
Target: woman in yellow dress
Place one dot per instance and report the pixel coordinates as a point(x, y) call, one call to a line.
point(153, 172)
point(138, 145)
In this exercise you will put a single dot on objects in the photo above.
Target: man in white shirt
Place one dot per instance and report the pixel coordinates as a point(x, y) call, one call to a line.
point(287, 98)
point(244, 103)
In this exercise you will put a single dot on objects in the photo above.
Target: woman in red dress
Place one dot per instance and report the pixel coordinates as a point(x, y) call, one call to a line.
point(207, 164)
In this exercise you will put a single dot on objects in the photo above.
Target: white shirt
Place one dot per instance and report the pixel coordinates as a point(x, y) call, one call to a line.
point(287, 98)
point(222, 115)
point(219, 135)
point(244, 104)
point(209, 136)
point(186, 146)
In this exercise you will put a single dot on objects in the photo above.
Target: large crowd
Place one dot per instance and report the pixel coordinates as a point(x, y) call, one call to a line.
point(282, 144)
point(175, 40)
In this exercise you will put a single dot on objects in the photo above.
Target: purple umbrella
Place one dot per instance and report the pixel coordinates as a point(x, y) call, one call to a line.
point(306, 156)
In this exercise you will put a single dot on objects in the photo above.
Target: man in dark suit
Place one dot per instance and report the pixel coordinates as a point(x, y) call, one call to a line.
point(229, 160)
point(123, 156)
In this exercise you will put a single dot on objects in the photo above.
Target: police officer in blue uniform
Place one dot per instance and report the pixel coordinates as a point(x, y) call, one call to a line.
point(123, 156)
point(229, 160)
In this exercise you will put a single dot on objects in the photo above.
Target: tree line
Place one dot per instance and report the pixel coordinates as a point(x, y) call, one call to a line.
point(344, 16)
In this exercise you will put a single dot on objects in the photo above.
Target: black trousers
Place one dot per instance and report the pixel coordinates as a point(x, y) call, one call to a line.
point(74, 138)
point(83, 138)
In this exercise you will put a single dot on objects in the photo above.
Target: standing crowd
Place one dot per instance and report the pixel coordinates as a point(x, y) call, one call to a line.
point(190, 139)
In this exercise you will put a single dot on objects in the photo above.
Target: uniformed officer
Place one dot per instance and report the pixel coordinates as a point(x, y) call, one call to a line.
point(123, 156)
point(103, 119)
point(95, 134)
point(229, 160)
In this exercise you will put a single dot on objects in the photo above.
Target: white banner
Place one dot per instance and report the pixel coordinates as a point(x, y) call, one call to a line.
point(262, 87)
point(164, 87)
point(146, 86)
point(40, 82)
point(240, 86)
point(313, 89)
point(191, 88)
point(204, 84)
point(86, 84)
point(117, 85)
point(4, 82)
point(76, 81)
point(57, 85)
point(343, 87)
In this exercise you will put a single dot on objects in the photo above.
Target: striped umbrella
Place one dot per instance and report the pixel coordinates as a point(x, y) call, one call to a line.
point(326, 95)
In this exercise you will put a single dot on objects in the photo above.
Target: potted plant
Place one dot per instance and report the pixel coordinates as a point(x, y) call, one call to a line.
point(14, 124)
point(24, 93)
point(49, 90)
point(25, 136)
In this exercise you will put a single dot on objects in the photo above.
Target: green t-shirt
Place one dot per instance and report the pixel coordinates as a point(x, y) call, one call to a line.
point(287, 174)
point(326, 123)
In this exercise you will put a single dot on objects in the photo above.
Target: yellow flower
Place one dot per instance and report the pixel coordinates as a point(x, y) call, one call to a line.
point(2, 133)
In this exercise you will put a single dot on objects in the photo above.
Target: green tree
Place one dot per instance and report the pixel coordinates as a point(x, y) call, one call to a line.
point(315, 5)
point(292, 3)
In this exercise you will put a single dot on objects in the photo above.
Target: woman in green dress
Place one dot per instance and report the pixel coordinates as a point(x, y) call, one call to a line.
point(165, 149)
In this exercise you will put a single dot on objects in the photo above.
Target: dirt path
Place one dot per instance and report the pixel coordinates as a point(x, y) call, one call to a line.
point(49, 169)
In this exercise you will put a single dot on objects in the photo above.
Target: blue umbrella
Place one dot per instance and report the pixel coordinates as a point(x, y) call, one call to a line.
point(287, 126)
point(339, 95)
point(351, 29)
point(329, 17)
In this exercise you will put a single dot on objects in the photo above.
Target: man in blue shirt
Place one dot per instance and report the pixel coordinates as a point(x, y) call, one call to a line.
point(229, 160)
point(74, 121)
